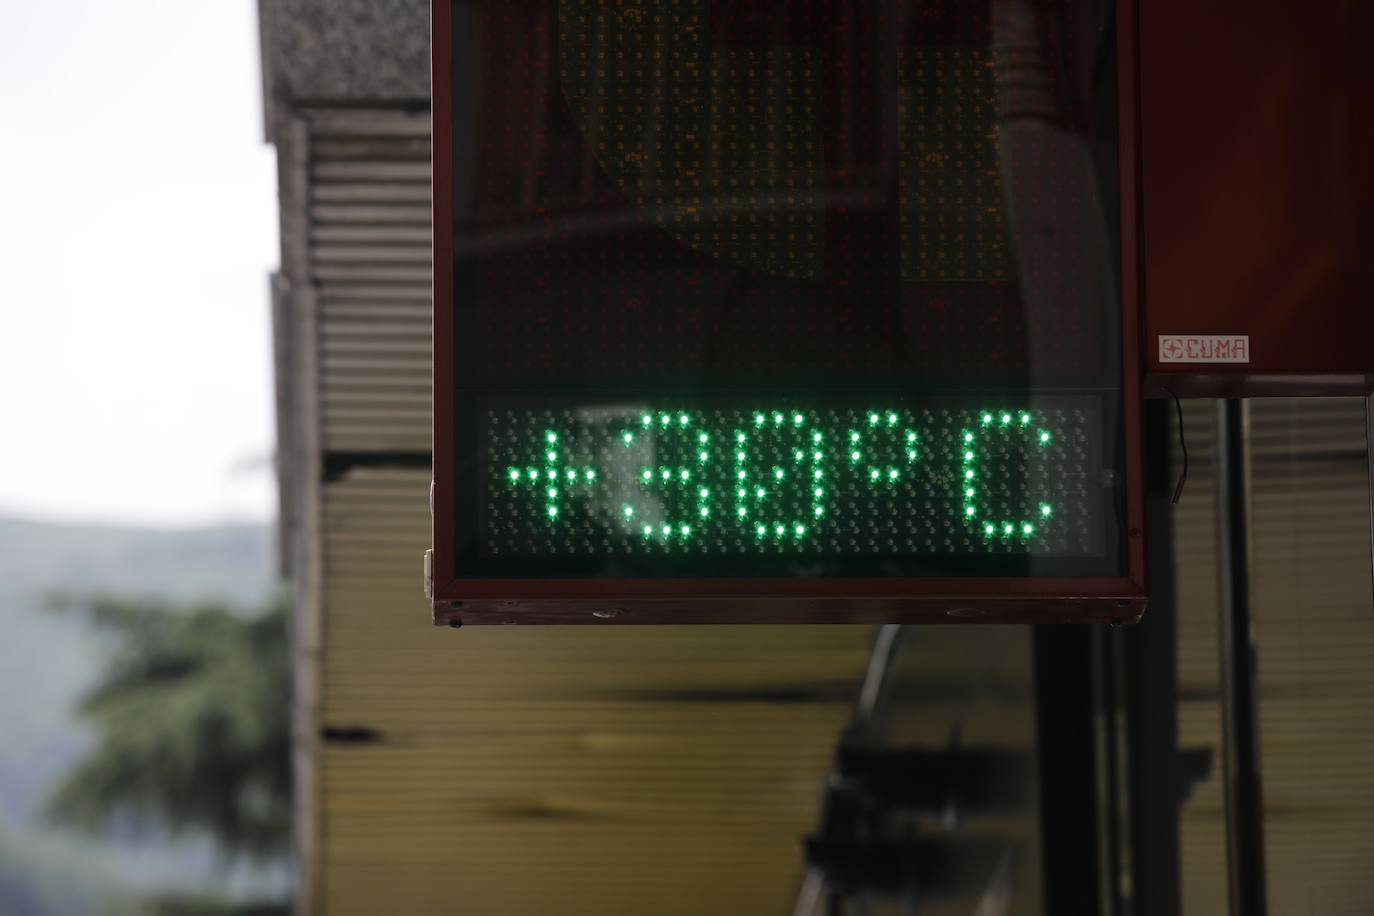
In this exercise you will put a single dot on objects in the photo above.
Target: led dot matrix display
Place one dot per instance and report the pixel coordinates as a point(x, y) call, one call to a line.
point(786, 480)
point(799, 289)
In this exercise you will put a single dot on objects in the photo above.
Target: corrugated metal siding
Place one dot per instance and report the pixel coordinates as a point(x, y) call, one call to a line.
point(369, 239)
point(558, 770)
point(1314, 628)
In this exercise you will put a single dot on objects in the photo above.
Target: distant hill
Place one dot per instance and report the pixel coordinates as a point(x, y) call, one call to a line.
point(48, 659)
point(44, 878)
point(234, 563)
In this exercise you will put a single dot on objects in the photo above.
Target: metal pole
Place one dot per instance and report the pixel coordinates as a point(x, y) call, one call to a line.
point(1149, 655)
point(875, 678)
point(1240, 712)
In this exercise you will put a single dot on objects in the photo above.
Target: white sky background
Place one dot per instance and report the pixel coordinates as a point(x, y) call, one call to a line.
point(138, 226)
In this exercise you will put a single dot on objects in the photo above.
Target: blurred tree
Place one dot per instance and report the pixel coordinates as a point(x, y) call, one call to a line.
point(193, 721)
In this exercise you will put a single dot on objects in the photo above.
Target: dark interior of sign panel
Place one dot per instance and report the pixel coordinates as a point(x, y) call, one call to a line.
point(786, 289)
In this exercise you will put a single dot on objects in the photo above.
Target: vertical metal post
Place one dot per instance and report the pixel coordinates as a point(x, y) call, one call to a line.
point(1149, 653)
point(1240, 707)
point(1071, 847)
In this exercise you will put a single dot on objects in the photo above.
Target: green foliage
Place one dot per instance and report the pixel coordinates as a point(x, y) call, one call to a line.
point(193, 718)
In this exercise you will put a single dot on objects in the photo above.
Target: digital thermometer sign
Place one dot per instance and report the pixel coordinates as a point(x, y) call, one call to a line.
point(793, 311)
point(668, 488)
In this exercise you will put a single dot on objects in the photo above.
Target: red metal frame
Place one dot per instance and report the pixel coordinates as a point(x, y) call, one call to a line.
point(663, 601)
point(441, 166)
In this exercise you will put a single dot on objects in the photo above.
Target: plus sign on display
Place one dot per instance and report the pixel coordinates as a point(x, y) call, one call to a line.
point(784, 311)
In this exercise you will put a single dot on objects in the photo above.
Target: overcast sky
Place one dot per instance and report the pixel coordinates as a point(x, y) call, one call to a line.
point(137, 230)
